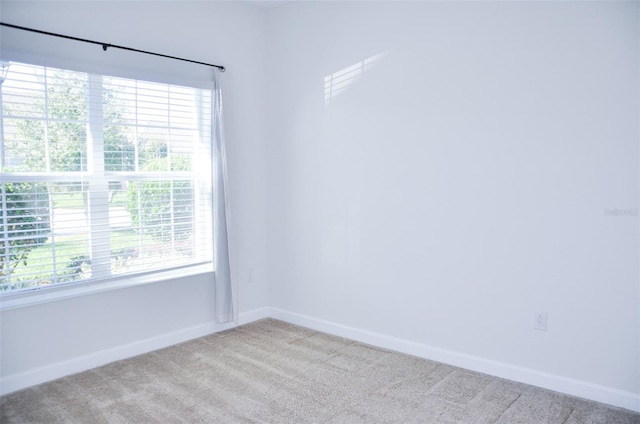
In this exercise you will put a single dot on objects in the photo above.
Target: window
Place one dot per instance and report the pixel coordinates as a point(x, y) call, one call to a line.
point(101, 177)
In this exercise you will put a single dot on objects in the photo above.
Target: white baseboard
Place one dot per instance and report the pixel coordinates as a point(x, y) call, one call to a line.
point(40, 375)
point(598, 393)
point(254, 315)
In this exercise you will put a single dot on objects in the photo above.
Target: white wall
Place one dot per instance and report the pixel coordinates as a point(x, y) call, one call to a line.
point(460, 183)
point(42, 341)
point(455, 188)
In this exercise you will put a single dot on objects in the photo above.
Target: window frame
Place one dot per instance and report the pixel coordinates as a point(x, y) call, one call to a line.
point(95, 159)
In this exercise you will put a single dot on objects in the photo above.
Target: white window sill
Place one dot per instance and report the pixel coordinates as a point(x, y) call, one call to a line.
point(41, 295)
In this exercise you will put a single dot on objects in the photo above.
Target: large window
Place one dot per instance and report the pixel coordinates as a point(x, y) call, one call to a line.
point(100, 177)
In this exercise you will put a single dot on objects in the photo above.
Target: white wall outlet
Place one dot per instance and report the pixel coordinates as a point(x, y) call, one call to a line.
point(250, 276)
point(540, 321)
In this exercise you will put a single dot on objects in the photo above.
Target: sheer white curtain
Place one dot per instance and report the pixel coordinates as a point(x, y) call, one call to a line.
point(226, 309)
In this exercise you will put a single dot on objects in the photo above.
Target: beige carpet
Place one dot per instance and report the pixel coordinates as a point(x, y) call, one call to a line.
point(273, 372)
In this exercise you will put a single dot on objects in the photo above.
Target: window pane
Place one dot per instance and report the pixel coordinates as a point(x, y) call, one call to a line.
point(119, 101)
point(158, 224)
point(24, 145)
point(152, 145)
point(66, 96)
point(24, 227)
point(23, 91)
point(66, 146)
point(152, 104)
point(44, 119)
point(119, 148)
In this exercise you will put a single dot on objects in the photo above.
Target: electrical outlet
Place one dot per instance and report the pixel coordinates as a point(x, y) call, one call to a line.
point(540, 321)
point(250, 276)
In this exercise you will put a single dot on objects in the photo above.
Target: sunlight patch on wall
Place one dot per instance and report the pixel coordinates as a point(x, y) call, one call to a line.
point(337, 83)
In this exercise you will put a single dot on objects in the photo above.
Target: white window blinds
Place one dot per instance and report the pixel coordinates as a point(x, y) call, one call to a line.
point(100, 177)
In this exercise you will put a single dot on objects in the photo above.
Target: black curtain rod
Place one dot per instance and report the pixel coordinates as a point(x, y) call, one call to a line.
point(105, 46)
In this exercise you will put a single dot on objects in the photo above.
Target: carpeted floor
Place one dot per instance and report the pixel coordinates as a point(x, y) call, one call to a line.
point(273, 372)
